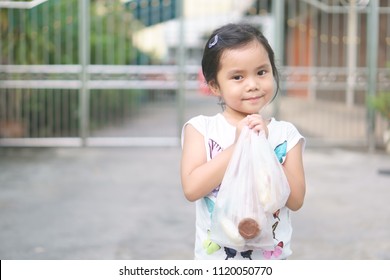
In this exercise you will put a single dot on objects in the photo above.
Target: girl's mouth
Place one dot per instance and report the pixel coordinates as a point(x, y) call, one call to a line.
point(253, 98)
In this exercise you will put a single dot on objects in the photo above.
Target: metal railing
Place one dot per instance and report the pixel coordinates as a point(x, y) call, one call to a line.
point(70, 70)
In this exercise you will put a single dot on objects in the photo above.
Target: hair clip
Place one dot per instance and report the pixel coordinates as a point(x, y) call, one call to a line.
point(214, 42)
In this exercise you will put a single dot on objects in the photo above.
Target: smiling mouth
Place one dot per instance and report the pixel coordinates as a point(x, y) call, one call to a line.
point(253, 98)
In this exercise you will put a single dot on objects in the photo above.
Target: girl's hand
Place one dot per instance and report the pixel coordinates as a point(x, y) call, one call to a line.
point(239, 127)
point(257, 123)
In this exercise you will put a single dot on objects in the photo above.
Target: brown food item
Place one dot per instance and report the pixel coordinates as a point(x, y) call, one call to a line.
point(248, 228)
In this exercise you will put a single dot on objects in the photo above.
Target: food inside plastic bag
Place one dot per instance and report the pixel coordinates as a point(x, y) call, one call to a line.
point(253, 188)
point(248, 228)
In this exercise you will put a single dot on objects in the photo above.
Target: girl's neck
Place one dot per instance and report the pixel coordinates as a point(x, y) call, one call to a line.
point(233, 117)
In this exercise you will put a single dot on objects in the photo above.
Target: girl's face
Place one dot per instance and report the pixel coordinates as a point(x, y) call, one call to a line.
point(245, 80)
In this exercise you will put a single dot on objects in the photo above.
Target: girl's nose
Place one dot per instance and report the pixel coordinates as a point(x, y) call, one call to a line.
point(252, 84)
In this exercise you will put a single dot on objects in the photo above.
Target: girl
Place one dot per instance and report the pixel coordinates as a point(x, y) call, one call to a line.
point(239, 67)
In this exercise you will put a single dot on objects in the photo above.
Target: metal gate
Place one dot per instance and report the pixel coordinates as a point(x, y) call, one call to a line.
point(125, 72)
point(73, 73)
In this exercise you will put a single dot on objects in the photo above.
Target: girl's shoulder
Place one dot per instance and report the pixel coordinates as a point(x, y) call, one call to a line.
point(279, 126)
point(203, 123)
point(213, 128)
point(284, 131)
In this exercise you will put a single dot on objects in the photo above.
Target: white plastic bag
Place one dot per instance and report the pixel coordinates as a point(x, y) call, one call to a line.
point(253, 188)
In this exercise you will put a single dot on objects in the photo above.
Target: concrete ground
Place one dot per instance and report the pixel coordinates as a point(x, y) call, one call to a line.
point(127, 203)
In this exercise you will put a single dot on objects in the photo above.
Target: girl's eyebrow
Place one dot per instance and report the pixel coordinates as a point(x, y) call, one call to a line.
point(265, 65)
point(234, 71)
point(237, 70)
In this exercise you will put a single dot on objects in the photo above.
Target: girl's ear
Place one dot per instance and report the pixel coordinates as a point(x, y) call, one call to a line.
point(214, 88)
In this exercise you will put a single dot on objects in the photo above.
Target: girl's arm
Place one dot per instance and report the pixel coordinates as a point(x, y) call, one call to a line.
point(199, 176)
point(293, 168)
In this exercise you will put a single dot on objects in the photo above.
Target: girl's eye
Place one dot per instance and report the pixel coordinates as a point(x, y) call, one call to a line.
point(262, 72)
point(237, 78)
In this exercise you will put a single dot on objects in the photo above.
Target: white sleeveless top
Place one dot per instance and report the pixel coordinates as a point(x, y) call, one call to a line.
point(219, 135)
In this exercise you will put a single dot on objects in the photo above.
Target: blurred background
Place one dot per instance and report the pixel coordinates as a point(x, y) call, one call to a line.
point(79, 75)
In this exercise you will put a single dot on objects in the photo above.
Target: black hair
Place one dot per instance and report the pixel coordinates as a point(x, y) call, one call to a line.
point(233, 36)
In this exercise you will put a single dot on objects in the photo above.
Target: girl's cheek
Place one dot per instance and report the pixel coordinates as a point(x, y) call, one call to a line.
point(269, 86)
